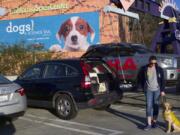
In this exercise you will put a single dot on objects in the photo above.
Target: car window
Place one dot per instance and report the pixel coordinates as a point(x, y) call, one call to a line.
point(97, 67)
point(125, 51)
point(33, 73)
point(70, 71)
point(54, 70)
point(3, 80)
point(59, 70)
point(94, 54)
point(141, 50)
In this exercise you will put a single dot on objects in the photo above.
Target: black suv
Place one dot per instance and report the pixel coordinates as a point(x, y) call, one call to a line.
point(70, 84)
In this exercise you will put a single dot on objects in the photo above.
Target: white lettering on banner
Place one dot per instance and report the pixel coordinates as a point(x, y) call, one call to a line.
point(21, 29)
point(41, 8)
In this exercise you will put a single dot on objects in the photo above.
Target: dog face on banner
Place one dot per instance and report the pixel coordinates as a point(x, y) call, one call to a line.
point(75, 32)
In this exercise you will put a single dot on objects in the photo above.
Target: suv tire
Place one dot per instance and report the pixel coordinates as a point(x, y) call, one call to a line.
point(65, 108)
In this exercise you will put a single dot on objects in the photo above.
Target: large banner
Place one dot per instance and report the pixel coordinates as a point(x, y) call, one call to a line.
point(68, 32)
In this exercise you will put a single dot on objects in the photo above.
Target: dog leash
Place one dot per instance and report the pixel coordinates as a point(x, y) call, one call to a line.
point(163, 99)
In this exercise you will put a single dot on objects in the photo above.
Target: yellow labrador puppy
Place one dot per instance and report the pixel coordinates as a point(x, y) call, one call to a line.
point(170, 118)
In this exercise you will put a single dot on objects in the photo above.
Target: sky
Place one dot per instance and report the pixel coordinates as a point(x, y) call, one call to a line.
point(178, 3)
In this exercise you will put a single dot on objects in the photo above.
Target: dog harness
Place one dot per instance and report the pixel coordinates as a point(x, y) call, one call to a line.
point(174, 118)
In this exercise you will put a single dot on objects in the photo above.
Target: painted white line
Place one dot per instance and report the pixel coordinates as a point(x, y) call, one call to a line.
point(134, 94)
point(128, 109)
point(76, 123)
point(114, 133)
point(63, 127)
point(141, 110)
point(117, 106)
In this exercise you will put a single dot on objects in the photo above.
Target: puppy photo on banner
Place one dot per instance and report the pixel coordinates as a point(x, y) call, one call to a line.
point(75, 32)
point(57, 33)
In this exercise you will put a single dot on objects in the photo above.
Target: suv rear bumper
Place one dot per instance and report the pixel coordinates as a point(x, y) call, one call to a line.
point(171, 83)
point(101, 100)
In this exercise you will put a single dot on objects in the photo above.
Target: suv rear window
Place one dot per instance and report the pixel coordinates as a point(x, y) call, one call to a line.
point(100, 75)
point(98, 67)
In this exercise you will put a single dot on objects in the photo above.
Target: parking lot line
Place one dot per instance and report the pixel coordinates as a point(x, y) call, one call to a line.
point(141, 110)
point(122, 108)
point(112, 132)
point(62, 127)
point(133, 94)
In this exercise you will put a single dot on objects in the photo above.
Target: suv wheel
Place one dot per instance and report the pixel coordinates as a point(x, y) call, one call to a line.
point(65, 108)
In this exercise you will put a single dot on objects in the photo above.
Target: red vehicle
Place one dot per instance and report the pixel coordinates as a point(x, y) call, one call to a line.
point(127, 59)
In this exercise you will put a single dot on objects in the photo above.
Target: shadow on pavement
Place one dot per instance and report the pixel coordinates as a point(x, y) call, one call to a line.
point(6, 127)
point(130, 104)
point(173, 98)
point(136, 97)
point(139, 121)
point(135, 100)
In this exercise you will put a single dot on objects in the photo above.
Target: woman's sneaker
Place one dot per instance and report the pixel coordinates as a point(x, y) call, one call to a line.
point(154, 125)
point(148, 127)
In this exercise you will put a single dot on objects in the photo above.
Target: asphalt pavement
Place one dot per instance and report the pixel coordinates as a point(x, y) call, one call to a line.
point(126, 117)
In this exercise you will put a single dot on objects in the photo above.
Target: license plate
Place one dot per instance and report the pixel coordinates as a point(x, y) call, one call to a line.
point(3, 98)
point(125, 86)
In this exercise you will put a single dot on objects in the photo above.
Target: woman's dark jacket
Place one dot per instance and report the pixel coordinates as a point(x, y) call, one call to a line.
point(143, 78)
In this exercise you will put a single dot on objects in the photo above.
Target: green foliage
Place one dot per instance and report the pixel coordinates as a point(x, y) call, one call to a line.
point(145, 29)
point(16, 58)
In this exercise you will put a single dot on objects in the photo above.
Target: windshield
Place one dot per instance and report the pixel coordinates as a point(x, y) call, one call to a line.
point(3, 80)
point(141, 49)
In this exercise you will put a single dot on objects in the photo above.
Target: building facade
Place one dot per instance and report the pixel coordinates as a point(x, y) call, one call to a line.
point(40, 22)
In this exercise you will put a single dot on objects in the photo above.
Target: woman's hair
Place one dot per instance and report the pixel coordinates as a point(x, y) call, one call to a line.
point(152, 58)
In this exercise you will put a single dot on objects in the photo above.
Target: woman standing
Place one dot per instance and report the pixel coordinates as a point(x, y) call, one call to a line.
point(152, 81)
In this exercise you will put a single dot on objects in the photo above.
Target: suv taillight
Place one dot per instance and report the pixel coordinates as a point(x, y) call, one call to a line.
point(21, 92)
point(86, 81)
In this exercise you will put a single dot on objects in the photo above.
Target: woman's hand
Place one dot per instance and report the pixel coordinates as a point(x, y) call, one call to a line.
point(163, 93)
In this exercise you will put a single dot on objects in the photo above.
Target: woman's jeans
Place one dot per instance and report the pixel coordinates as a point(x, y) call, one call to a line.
point(152, 103)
